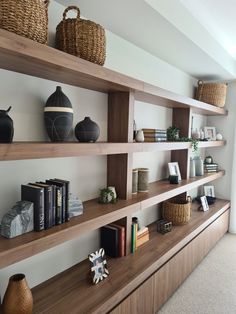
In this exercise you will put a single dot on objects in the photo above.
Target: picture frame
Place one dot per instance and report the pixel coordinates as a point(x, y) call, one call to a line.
point(98, 266)
point(210, 133)
point(204, 203)
point(174, 169)
point(209, 190)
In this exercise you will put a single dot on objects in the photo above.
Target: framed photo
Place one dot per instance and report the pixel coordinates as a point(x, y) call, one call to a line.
point(210, 133)
point(174, 169)
point(209, 190)
point(98, 266)
point(204, 202)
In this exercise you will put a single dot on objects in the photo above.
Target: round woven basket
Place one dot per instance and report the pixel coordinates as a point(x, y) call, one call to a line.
point(82, 38)
point(28, 18)
point(212, 93)
point(177, 211)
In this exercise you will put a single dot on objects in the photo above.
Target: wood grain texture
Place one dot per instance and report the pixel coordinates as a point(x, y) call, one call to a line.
point(25, 56)
point(95, 215)
point(173, 273)
point(140, 301)
point(37, 150)
point(71, 291)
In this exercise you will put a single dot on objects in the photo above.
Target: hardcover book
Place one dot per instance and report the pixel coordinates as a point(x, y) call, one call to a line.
point(58, 202)
point(121, 242)
point(67, 193)
point(35, 195)
point(110, 240)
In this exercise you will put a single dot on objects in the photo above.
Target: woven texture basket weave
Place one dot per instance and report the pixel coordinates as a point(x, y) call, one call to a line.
point(177, 211)
point(212, 93)
point(28, 18)
point(82, 38)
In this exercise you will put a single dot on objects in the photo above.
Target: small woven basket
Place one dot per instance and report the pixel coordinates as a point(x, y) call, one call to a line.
point(82, 38)
point(177, 211)
point(28, 18)
point(212, 93)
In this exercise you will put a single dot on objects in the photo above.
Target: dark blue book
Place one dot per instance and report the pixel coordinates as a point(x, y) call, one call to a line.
point(110, 240)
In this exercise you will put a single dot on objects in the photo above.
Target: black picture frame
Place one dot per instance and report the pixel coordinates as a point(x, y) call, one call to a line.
point(99, 269)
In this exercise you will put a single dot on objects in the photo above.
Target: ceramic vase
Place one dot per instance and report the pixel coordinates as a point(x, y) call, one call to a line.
point(143, 179)
point(192, 168)
point(139, 137)
point(58, 116)
point(6, 127)
point(134, 181)
point(87, 130)
point(18, 297)
point(199, 166)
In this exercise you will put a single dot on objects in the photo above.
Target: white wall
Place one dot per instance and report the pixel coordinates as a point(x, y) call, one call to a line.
point(27, 95)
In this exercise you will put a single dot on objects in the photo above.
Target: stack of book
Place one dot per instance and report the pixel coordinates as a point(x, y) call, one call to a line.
point(51, 202)
point(154, 135)
point(138, 237)
point(113, 240)
point(208, 168)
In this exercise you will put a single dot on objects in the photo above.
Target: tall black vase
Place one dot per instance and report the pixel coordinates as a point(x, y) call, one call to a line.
point(6, 127)
point(58, 116)
point(87, 130)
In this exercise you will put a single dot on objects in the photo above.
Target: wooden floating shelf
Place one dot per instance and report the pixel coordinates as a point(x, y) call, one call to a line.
point(71, 290)
point(95, 216)
point(25, 56)
point(37, 150)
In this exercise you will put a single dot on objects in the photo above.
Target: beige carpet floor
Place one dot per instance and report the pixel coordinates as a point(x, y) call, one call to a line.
point(211, 288)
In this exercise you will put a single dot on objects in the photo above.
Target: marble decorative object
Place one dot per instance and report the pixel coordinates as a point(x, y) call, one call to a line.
point(19, 220)
point(75, 206)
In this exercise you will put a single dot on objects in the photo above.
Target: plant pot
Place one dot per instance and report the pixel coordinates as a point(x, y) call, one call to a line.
point(87, 130)
point(18, 297)
point(58, 116)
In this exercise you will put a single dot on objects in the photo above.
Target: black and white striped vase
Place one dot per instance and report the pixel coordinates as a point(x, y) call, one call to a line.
point(58, 116)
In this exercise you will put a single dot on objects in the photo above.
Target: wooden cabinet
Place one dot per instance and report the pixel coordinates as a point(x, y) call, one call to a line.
point(132, 275)
point(155, 291)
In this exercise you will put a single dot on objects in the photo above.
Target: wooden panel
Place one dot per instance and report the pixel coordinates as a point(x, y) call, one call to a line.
point(71, 291)
point(174, 272)
point(22, 55)
point(36, 150)
point(139, 302)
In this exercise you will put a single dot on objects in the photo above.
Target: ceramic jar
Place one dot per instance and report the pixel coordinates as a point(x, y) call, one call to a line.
point(199, 166)
point(58, 116)
point(18, 297)
point(143, 179)
point(6, 127)
point(139, 137)
point(87, 130)
point(134, 181)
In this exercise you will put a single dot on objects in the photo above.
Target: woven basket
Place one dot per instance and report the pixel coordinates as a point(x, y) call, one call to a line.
point(177, 211)
point(82, 38)
point(212, 93)
point(28, 18)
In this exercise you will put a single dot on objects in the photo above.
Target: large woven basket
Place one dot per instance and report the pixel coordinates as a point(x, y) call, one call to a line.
point(28, 18)
point(212, 93)
point(177, 211)
point(82, 38)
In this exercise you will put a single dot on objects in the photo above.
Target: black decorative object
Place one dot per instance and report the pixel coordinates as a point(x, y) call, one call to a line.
point(6, 127)
point(87, 130)
point(58, 116)
point(174, 179)
point(164, 226)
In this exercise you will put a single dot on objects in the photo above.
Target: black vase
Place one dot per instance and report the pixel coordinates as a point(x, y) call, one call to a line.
point(6, 127)
point(58, 116)
point(87, 130)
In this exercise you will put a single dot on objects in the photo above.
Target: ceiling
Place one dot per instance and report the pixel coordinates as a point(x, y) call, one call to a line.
point(195, 36)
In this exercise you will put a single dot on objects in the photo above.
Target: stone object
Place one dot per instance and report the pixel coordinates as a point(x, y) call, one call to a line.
point(19, 220)
point(75, 206)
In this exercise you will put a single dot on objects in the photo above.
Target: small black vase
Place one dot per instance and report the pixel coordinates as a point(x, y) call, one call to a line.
point(6, 127)
point(58, 116)
point(87, 130)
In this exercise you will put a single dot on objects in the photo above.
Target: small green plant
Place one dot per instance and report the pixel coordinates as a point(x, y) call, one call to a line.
point(172, 133)
point(107, 196)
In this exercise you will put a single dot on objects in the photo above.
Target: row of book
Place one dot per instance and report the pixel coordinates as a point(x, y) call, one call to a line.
point(208, 168)
point(155, 135)
point(51, 202)
point(113, 240)
point(138, 237)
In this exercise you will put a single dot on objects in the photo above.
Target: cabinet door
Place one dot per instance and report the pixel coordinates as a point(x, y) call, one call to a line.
point(169, 277)
point(139, 302)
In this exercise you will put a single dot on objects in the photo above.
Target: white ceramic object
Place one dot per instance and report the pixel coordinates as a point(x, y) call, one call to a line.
point(139, 137)
point(219, 137)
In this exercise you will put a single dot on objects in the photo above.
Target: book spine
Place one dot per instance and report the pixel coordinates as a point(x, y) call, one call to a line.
point(67, 214)
point(54, 199)
point(47, 223)
point(50, 206)
point(122, 242)
point(63, 203)
point(58, 205)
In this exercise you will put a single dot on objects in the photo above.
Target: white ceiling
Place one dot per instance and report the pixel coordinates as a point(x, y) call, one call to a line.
point(185, 33)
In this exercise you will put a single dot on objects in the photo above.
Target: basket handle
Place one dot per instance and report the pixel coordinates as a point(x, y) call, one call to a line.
point(72, 7)
point(47, 3)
